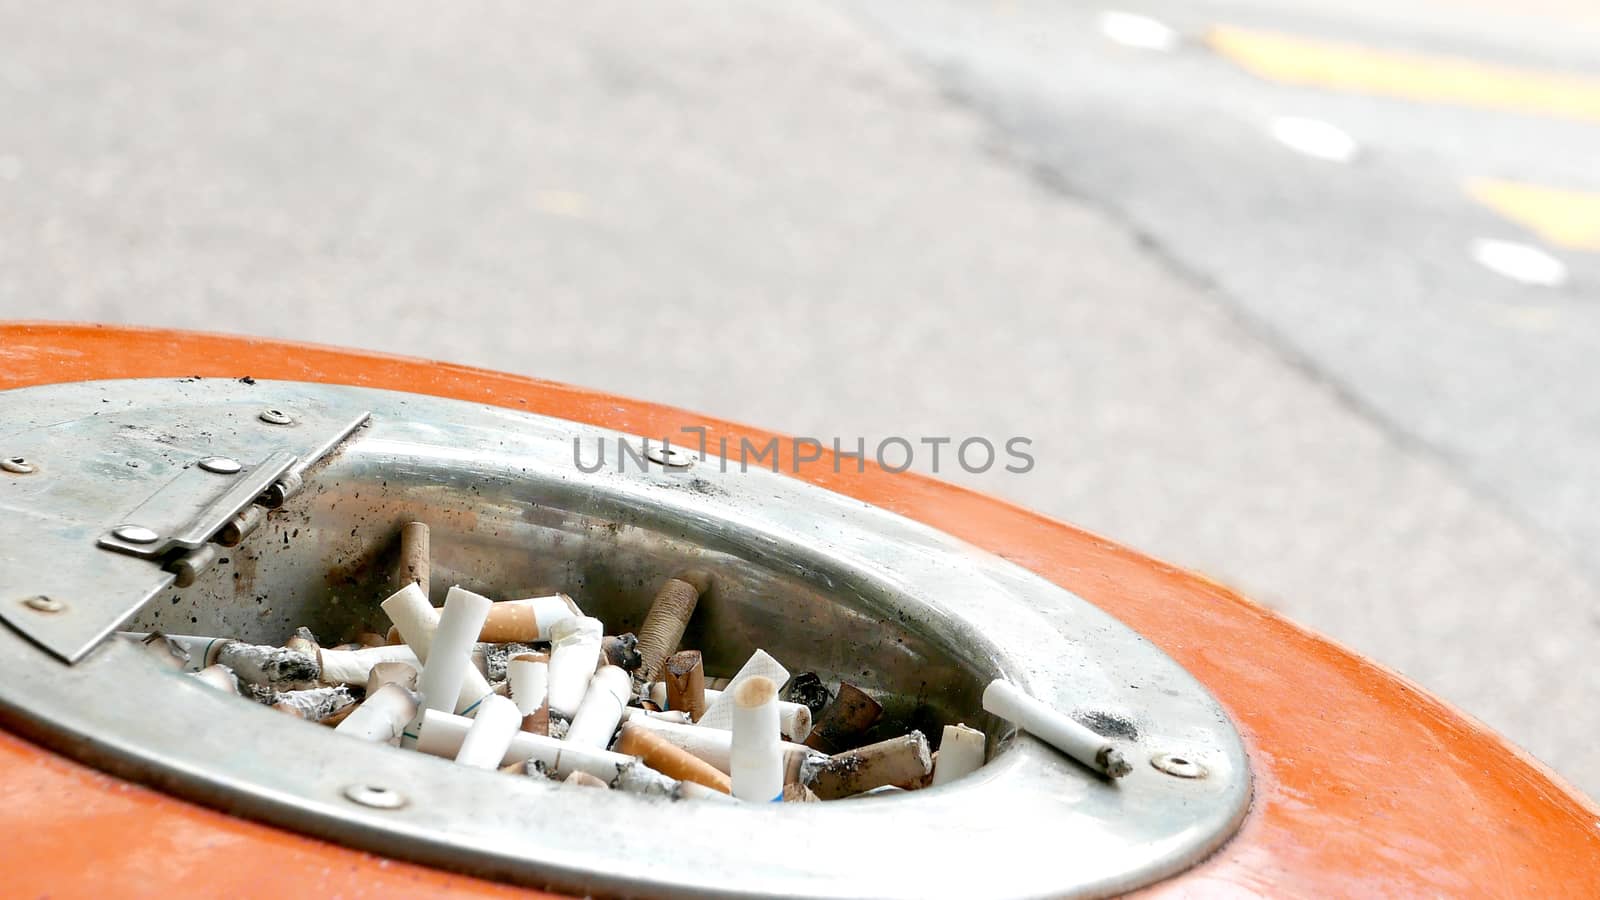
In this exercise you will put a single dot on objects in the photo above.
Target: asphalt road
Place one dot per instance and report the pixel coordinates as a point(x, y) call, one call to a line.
point(922, 219)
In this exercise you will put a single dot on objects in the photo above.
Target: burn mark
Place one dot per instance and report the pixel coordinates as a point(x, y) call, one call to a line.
point(1107, 724)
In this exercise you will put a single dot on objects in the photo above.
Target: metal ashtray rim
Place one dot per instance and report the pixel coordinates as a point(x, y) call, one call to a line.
point(1031, 822)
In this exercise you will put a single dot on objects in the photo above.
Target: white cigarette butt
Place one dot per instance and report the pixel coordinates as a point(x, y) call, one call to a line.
point(960, 753)
point(755, 757)
point(489, 738)
point(1006, 700)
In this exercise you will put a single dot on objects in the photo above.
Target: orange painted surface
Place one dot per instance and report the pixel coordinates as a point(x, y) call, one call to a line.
point(1364, 784)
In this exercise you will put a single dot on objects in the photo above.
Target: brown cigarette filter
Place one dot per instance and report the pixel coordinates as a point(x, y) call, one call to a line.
point(668, 617)
point(844, 721)
point(393, 637)
point(403, 674)
point(538, 721)
point(414, 555)
point(901, 760)
point(369, 639)
point(798, 793)
point(339, 716)
point(686, 683)
point(587, 780)
point(669, 759)
point(510, 623)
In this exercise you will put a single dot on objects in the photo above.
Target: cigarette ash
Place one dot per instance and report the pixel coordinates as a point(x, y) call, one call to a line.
point(477, 716)
point(807, 688)
point(497, 656)
point(275, 667)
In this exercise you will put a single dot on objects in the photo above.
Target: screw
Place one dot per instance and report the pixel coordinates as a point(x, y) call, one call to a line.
point(17, 465)
point(273, 416)
point(221, 465)
point(135, 534)
point(668, 455)
point(1178, 766)
point(375, 796)
point(44, 604)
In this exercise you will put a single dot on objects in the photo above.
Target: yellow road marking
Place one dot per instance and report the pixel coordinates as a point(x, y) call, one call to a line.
point(1564, 218)
point(1434, 79)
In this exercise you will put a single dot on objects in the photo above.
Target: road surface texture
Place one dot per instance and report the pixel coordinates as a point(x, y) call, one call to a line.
point(1305, 299)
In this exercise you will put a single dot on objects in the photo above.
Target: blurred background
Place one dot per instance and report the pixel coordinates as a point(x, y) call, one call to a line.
point(1302, 295)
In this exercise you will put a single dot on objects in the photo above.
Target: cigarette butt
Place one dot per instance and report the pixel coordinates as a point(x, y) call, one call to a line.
point(1007, 701)
point(688, 790)
point(597, 717)
point(402, 673)
point(670, 760)
point(848, 717)
point(538, 721)
point(303, 641)
point(334, 720)
point(312, 704)
point(961, 751)
point(528, 620)
point(793, 718)
point(897, 761)
point(441, 734)
point(417, 620)
point(808, 690)
point(799, 793)
point(393, 637)
point(685, 678)
point(520, 767)
point(198, 651)
point(587, 780)
point(574, 646)
point(715, 745)
point(755, 758)
point(663, 715)
point(382, 716)
point(490, 736)
point(449, 657)
point(620, 650)
point(271, 667)
point(664, 625)
point(528, 675)
point(415, 558)
point(719, 711)
point(371, 639)
point(509, 621)
point(355, 666)
point(219, 677)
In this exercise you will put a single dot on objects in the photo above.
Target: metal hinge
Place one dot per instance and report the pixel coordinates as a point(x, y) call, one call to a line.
point(106, 481)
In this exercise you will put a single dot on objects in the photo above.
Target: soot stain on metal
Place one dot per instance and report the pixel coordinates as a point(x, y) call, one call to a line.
point(1107, 724)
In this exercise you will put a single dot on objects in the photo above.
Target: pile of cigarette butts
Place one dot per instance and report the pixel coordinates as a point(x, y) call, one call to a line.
point(534, 687)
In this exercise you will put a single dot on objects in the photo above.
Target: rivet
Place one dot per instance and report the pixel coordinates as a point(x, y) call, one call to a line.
point(134, 534)
point(669, 456)
point(1178, 765)
point(41, 603)
point(221, 465)
point(375, 796)
point(17, 465)
point(274, 416)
